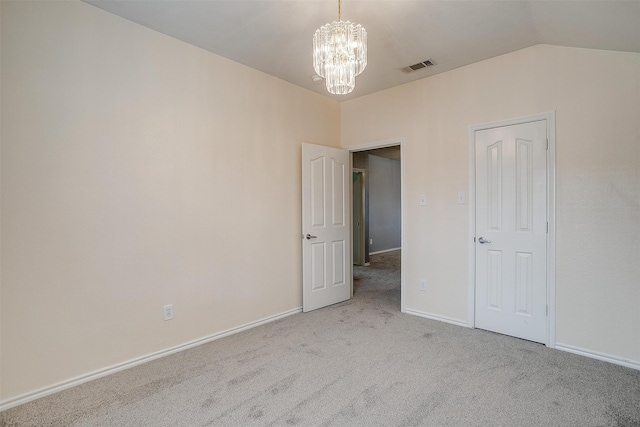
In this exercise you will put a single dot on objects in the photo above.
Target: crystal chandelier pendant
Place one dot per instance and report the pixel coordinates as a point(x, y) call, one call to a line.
point(340, 54)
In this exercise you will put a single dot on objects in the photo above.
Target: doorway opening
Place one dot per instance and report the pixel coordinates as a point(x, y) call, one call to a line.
point(377, 220)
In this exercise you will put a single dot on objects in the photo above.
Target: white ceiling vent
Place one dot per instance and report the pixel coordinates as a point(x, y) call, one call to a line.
point(424, 64)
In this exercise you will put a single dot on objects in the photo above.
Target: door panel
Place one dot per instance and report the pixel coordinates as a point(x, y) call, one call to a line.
point(340, 190)
point(494, 280)
point(511, 212)
point(316, 194)
point(326, 222)
point(318, 266)
point(338, 251)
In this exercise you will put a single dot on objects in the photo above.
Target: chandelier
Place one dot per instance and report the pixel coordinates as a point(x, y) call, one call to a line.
point(340, 54)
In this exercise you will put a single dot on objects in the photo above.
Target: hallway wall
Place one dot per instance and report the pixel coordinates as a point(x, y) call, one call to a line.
point(384, 204)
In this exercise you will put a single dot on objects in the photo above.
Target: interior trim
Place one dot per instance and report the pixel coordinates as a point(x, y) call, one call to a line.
point(437, 317)
point(385, 251)
point(633, 364)
point(28, 397)
point(403, 180)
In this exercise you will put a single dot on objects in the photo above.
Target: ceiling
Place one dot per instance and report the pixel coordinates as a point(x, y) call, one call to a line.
point(274, 36)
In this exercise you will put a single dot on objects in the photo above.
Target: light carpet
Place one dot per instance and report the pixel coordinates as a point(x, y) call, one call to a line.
point(358, 363)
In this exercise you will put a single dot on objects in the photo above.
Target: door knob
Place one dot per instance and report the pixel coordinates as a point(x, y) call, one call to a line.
point(482, 240)
point(309, 237)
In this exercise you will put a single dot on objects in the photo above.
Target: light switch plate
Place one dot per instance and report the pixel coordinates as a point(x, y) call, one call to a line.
point(462, 198)
point(423, 200)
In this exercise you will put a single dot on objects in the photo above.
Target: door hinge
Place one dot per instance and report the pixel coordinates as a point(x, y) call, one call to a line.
point(547, 226)
point(547, 143)
point(546, 311)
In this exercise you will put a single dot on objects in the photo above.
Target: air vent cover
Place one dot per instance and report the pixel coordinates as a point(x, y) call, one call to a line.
point(424, 64)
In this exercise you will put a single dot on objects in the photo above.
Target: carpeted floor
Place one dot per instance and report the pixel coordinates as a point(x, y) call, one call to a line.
point(359, 363)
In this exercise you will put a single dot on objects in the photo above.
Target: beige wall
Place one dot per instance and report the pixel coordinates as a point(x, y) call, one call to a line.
point(596, 96)
point(139, 171)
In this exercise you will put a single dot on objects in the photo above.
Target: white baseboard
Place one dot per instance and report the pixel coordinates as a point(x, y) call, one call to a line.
point(633, 364)
point(436, 317)
point(28, 397)
point(384, 250)
point(616, 360)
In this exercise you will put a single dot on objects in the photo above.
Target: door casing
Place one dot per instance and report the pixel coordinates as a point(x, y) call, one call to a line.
point(382, 144)
point(549, 117)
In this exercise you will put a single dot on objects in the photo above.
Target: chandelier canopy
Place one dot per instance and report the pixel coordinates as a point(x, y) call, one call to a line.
point(340, 54)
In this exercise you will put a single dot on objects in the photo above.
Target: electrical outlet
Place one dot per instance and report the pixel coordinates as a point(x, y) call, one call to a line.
point(371, 241)
point(422, 284)
point(167, 312)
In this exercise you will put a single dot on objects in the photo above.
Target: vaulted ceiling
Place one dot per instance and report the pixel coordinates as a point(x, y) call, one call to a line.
point(274, 36)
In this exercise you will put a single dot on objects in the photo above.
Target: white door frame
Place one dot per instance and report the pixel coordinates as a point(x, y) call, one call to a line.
point(382, 144)
point(362, 242)
point(550, 118)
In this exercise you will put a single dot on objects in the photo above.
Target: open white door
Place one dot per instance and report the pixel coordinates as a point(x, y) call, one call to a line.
point(326, 226)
